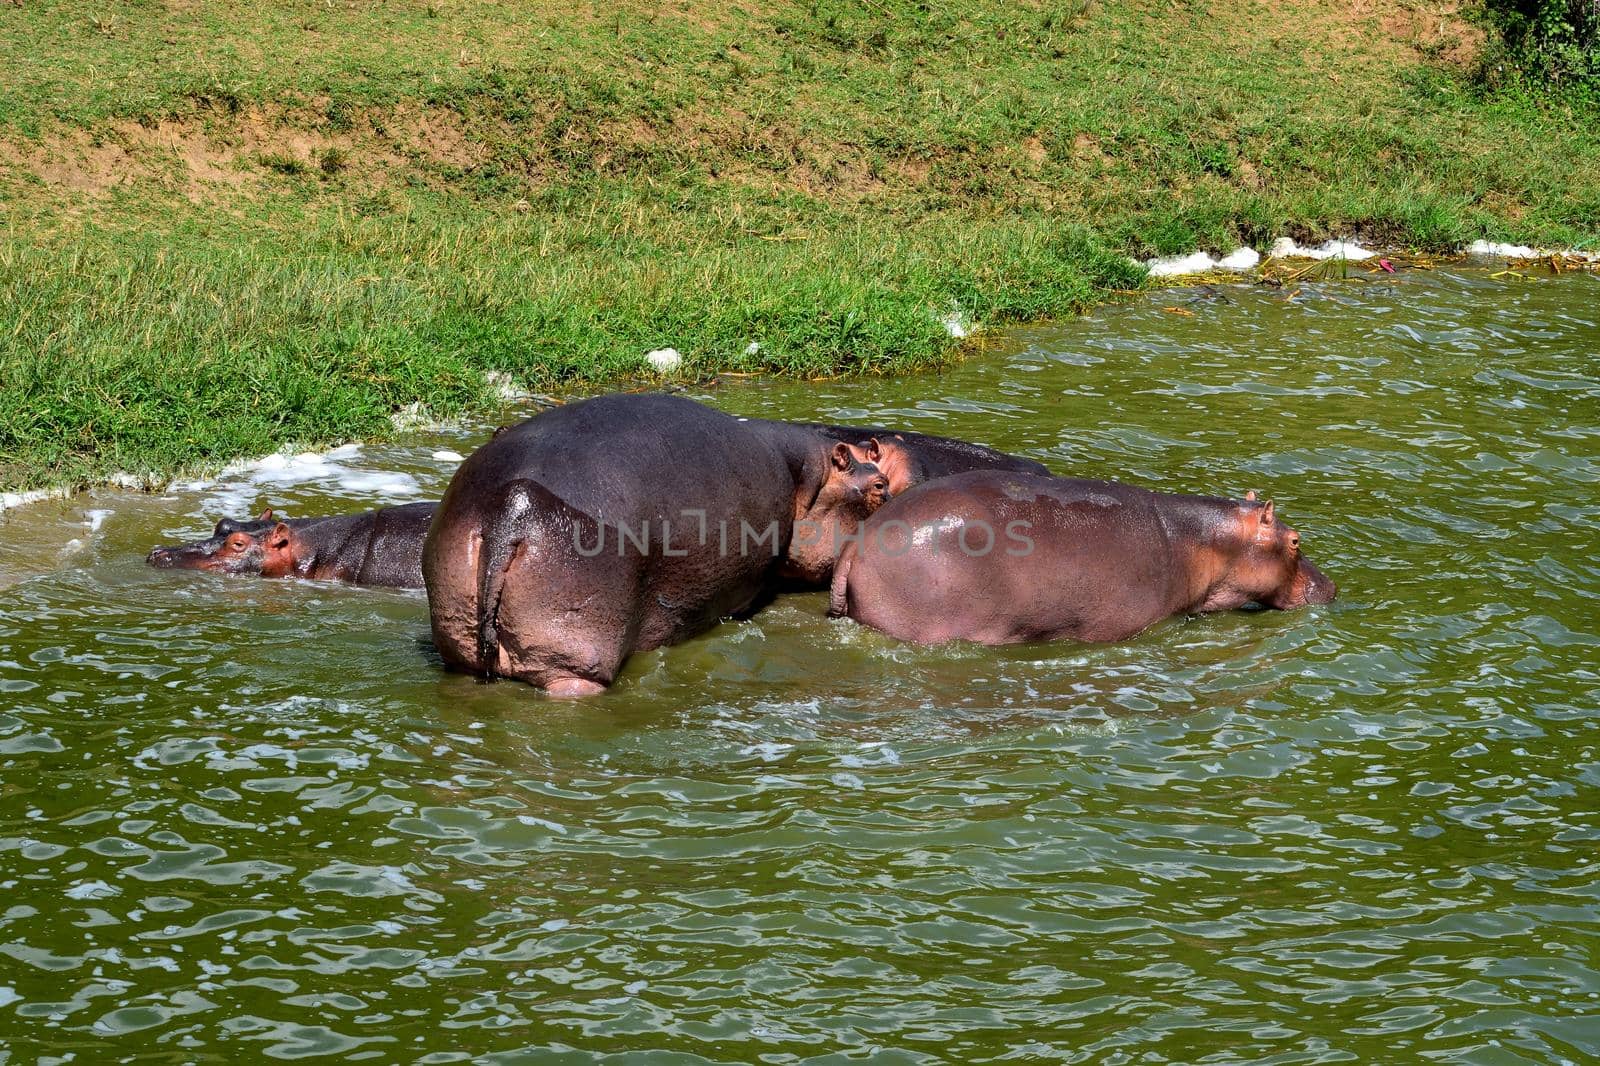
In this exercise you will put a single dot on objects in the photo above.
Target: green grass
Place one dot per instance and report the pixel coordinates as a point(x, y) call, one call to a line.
point(227, 227)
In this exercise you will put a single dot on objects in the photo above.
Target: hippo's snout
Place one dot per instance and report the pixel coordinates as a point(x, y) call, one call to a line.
point(1319, 587)
point(182, 557)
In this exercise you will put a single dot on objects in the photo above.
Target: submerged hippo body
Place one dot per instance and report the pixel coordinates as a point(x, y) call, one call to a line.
point(909, 458)
point(624, 523)
point(381, 548)
point(1003, 558)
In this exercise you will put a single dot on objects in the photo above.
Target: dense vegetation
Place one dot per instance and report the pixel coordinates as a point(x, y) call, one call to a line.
point(227, 226)
point(1546, 44)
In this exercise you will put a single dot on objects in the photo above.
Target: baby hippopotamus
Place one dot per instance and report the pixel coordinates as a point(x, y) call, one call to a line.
point(1001, 558)
point(381, 548)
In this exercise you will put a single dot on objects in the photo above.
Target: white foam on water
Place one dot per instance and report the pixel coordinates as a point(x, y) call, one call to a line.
point(8, 996)
point(1176, 266)
point(1500, 250)
point(379, 482)
point(240, 485)
point(95, 518)
point(1240, 259)
point(1246, 259)
point(445, 455)
point(9, 500)
point(1286, 248)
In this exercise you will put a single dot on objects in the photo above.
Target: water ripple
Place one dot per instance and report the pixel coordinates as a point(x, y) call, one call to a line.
point(245, 819)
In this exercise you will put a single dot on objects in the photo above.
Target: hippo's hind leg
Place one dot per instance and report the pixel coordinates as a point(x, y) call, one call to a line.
point(557, 598)
point(566, 622)
point(528, 588)
point(450, 573)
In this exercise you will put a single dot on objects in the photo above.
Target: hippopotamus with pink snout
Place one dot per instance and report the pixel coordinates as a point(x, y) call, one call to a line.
point(1003, 557)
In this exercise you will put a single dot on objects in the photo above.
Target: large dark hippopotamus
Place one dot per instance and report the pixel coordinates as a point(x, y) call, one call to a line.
point(909, 458)
point(627, 522)
point(380, 548)
point(1002, 558)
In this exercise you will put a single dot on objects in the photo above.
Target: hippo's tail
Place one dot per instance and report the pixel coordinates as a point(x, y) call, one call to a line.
point(506, 531)
point(839, 591)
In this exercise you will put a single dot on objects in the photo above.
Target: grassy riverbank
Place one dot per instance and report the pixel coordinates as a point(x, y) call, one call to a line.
point(230, 226)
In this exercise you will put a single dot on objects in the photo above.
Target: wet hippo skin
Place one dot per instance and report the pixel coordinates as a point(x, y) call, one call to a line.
point(380, 548)
point(625, 522)
point(911, 458)
point(999, 557)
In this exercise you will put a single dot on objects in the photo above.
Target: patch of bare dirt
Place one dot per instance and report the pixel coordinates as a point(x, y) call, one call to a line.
point(1435, 31)
point(74, 161)
point(1375, 32)
point(1086, 149)
point(206, 158)
point(436, 136)
point(1248, 176)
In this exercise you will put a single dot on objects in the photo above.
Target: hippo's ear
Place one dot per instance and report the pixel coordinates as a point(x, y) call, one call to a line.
point(842, 459)
point(1268, 513)
point(872, 450)
point(266, 516)
point(277, 560)
point(1250, 495)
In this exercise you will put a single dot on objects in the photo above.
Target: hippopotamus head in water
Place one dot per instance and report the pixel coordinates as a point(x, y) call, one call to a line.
point(263, 547)
point(853, 488)
point(381, 548)
point(1268, 568)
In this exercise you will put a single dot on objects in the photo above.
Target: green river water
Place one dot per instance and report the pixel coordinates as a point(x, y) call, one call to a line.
point(243, 820)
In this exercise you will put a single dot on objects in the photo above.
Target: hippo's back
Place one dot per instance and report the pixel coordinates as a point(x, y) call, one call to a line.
point(935, 456)
point(1001, 556)
point(626, 457)
point(1042, 500)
